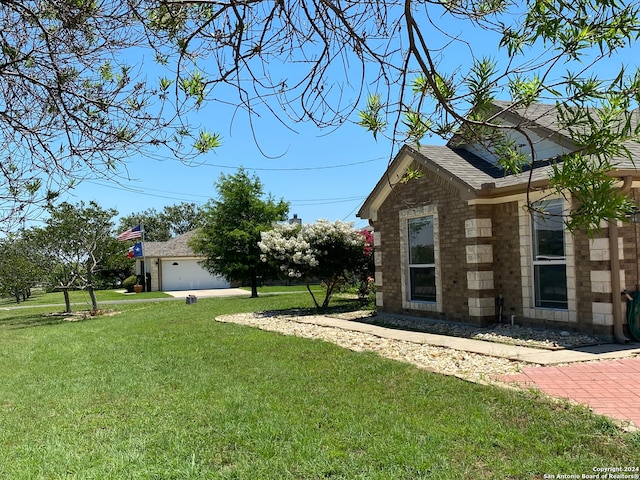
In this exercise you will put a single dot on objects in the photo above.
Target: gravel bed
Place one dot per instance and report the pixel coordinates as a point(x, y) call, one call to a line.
point(499, 333)
point(468, 366)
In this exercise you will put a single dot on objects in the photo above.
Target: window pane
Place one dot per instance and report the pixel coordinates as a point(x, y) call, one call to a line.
point(548, 231)
point(551, 286)
point(423, 283)
point(421, 247)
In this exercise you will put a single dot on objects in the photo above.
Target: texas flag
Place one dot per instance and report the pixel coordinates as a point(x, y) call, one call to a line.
point(135, 251)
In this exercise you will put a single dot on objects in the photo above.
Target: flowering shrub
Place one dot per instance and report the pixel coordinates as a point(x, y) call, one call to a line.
point(324, 250)
point(367, 293)
point(367, 269)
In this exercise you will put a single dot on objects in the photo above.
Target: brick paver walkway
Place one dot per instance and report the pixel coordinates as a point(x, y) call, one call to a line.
point(609, 387)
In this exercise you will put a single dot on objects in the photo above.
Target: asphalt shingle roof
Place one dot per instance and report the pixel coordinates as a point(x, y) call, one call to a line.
point(475, 171)
point(459, 165)
point(175, 247)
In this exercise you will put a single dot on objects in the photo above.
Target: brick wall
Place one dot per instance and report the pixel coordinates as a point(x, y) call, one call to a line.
point(480, 260)
point(507, 268)
point(452, 213)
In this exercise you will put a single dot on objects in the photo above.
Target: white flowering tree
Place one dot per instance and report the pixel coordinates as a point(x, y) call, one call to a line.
point(322, 250)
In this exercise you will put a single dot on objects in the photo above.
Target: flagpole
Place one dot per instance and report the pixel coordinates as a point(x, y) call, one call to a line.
point(144, 258)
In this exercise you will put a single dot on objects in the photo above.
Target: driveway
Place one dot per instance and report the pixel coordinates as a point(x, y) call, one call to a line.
point(214, 292)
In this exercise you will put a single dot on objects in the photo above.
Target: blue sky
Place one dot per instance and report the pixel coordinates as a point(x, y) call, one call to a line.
point(323, 174)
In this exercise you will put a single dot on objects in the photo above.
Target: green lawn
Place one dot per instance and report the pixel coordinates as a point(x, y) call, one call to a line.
point(289, 288)
point(80, 297)
point(161, 391)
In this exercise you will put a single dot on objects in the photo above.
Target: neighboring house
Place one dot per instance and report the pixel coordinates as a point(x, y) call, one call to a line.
point(174, 266)
point(458, 243)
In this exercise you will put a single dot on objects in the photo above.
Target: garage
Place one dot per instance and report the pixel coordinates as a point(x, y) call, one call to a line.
point(187, 274)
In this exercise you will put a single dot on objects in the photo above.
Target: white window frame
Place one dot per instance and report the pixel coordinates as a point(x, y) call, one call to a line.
point(527, 270)
point(407, 302)
point(540, 260)
point(416, 266)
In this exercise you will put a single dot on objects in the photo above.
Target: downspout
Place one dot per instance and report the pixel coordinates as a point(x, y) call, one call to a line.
point(616, 289)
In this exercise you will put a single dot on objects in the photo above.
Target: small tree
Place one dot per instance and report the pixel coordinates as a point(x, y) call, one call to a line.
point(20, 267)
point(74, 241)
point(114, 266)
point(324, 250)
point(232, 226)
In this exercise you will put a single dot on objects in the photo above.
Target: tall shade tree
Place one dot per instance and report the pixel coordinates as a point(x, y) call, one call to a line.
point(182, 217)
point(322, 250)
point(172, 221)
point(75, 101)
point(20, 266)
point(74, 240)
point(409, 69)
point(114, 266)
point(232, 225)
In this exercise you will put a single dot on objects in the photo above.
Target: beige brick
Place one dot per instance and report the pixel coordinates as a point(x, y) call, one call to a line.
point(482, 307)
point(478, 227)
point(377, 238)
point(601, 281)
point(602, 313)
point(599, 249)
point(480, 280)
point(479, 254)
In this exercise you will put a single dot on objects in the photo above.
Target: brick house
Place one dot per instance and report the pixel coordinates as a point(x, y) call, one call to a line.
point(458, 243)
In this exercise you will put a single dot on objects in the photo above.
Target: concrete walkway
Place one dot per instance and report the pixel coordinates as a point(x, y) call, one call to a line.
point(511, 352)
point(606, 377)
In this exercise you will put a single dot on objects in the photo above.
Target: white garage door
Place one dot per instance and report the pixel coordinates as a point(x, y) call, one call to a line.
point(188, 275)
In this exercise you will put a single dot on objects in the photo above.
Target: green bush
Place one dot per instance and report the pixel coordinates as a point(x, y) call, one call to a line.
point(129, 282)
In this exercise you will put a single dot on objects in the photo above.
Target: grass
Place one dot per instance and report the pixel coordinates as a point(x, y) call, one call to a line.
point(290, 288)
point(161, 391)
point(80, 297)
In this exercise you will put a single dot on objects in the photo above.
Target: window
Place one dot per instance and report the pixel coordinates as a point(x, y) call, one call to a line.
point(422, 266)
point(549, 255)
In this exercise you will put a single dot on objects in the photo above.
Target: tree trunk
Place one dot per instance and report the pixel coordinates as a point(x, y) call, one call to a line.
point(92, 293)
point(254, 285)
point(306, 282)
point(67, 301)
point(331, 283)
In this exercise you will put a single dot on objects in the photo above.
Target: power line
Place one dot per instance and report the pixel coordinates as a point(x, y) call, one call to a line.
point(291, 169)
point(144, 192)
point(302, 202)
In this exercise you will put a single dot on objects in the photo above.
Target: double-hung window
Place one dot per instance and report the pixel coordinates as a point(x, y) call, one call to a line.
point(549, 255)
point(422, 266)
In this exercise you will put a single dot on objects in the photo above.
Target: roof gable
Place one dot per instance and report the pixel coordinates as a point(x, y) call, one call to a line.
point(174, 247)
point(470, 176)
point(460, 172)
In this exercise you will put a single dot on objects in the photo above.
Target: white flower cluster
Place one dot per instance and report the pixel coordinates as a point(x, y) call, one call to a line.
point(298, 250)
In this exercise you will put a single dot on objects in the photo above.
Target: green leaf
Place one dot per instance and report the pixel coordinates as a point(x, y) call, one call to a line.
point(371, 118)
point(481, 84)
point(207, 141)
point(525, 92)
point(417, 126)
